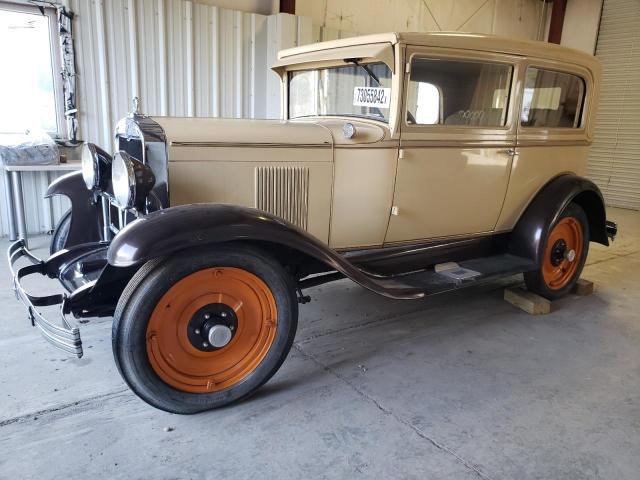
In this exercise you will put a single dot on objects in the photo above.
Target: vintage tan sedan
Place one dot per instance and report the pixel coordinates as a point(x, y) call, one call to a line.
point(412, 164)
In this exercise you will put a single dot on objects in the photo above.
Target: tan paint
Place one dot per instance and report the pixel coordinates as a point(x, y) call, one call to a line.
point(533, 167)
point(178, 129)
point(545, 153)
point(362, 194)
point(452, 179)
point(215, 160)
point(444, 181)
point(382, 51)
point(467, 41)
point(220, 181)
point(364, 173)
point(448, 191)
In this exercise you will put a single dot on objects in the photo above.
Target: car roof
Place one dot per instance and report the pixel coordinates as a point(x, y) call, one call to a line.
point(458, 40)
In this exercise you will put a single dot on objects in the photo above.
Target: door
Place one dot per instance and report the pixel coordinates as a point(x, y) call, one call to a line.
point(456, 145)
point(552, 131)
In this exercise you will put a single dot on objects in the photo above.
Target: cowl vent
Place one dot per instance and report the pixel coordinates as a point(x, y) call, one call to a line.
point(284, 192)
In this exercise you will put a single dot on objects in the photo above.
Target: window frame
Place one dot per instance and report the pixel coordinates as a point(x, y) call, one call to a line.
point(512, 61)
point(56, 60)
point(566, 71)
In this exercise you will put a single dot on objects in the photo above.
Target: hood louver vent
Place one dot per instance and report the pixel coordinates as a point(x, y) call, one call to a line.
point(284, 192)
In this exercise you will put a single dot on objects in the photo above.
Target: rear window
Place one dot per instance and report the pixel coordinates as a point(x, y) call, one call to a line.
point(552, 99)
point(458, 92)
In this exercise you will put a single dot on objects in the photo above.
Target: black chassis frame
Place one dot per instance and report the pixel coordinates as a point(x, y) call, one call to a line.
point(95, 271)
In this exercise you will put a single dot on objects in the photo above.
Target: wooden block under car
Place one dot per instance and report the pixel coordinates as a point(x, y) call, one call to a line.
point(583, 287)
point(527, 301)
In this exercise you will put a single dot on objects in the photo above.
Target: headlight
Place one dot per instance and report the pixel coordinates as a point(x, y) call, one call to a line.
point(132, 180)
point(95, 167)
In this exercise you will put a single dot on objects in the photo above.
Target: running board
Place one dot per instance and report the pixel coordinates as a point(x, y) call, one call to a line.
point(452, 277)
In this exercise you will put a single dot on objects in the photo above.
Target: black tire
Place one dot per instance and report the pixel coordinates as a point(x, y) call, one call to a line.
point(535, 280)
point(148, 286)
point(61, 233)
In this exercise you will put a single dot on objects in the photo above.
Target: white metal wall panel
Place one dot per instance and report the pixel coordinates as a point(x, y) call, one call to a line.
point(181, 58)
point(151, 62)
point(121, 66)
point(41, 214)
point(206, 64)
point(614, 161)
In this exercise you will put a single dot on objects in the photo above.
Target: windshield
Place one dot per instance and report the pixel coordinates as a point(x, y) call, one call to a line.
point(358, 90)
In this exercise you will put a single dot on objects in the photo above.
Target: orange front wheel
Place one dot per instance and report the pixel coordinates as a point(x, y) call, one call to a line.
point(211, 329)
point(204, 329)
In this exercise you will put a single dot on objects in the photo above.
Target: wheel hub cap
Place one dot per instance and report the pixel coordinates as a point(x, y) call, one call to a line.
point(212, 327)
point(219, 336)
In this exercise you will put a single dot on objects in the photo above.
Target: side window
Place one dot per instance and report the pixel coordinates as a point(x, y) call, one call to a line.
point(551, 99)
point(458, 92)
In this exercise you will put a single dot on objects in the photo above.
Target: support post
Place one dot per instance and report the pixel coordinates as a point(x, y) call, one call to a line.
point(288, 6)
point(557, 21)
point(11, 212)
point(18, 201)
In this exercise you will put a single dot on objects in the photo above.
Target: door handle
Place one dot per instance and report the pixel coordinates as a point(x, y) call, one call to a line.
point(512, 151)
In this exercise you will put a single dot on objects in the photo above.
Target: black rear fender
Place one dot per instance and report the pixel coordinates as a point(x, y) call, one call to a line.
point(529, 234)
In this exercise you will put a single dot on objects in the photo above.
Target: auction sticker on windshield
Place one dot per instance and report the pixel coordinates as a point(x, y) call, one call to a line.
point(372, 97)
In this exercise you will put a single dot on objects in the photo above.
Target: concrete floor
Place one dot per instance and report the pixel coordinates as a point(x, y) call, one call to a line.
point(458, 386)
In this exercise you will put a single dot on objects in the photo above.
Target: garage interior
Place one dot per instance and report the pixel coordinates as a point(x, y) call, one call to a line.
point(459, 385)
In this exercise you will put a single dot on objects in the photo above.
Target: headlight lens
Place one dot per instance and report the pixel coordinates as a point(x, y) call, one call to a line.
point(95, 167)
point(123, 180)
point(89, 166)
point(132, 180)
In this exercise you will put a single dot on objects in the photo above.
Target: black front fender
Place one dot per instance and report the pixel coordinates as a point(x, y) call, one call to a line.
point(186, 227)
point(86, 213)
point(530, 232)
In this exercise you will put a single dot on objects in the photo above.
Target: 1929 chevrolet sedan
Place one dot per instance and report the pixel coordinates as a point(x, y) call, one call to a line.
point(412, 164)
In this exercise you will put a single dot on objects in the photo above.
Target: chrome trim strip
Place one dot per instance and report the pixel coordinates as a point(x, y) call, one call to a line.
point(410, 144)
point(249, 145)
point(524, 142)
point(106, 218)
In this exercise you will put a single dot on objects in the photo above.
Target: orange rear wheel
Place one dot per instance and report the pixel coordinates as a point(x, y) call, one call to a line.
point(563, 252)
point(211, 329)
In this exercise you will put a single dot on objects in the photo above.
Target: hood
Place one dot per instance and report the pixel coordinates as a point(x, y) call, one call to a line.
point(210, 131)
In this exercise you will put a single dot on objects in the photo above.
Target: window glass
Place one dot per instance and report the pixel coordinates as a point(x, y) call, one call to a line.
point(27, 91)
point(458, 92)
point(551, 99)
point(427, 104)
point(362, 90)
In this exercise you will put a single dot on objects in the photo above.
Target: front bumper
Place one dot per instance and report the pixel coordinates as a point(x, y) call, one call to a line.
point(67, 266)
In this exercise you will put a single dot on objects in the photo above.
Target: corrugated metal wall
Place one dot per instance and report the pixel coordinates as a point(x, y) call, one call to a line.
point(42, 214)
point(181, 58)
